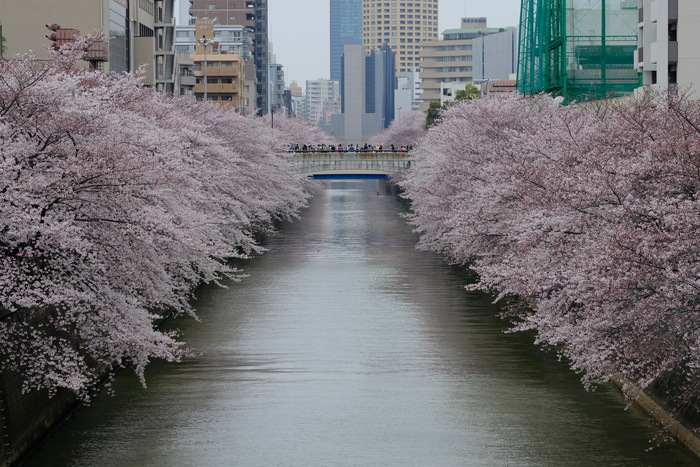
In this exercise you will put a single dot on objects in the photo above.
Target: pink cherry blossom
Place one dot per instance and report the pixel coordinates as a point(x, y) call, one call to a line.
point(116, 202)
point(584, 218)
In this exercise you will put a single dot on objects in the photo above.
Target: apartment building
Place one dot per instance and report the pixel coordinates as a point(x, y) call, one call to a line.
point(402, 26)
point(407, 92)
point(668, 56)
point(251, 14)
point(218, 70)
point(227, 39)
point(280, 96)
point(318, 94)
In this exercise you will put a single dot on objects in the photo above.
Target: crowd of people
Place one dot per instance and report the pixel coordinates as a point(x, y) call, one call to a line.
point(348, 148)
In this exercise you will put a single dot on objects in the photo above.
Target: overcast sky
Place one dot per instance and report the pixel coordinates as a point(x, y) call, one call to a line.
point(300, 33)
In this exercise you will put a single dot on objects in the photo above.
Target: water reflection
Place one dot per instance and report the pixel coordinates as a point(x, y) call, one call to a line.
point(345, 346)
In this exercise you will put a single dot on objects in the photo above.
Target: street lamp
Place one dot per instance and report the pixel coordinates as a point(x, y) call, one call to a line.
point(205, 43)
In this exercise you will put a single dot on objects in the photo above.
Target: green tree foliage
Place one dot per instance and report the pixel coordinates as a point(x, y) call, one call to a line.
point(433, 115)
point(468, 93)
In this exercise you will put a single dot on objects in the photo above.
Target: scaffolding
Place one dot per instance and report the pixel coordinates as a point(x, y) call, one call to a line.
point(578, 49)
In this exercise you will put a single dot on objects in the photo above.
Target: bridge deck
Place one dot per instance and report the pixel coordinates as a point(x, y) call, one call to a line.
point(335, 164)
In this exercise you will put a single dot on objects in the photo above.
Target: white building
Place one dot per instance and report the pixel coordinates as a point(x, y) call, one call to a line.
point(407, 93)
point(299, 106)
point(668, 55)
point(318, 92)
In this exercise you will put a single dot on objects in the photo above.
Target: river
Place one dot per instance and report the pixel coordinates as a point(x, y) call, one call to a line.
point(347, 347)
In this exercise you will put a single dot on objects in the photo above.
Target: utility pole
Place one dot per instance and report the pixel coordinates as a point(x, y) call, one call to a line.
point(205, 43)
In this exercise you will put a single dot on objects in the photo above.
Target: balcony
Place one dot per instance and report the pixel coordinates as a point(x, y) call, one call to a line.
point(188, 80)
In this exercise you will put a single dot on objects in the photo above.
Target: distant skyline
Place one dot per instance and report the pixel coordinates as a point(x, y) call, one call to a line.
point(300, 31)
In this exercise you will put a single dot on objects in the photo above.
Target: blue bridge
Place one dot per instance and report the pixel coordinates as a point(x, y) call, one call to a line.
point(350, 165)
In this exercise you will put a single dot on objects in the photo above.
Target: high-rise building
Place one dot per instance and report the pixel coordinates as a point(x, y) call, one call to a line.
point(251, 14)
point(226, 12)
point(367, 94)
point(667, 54)
point(141, 32)
point(402, 26)
point(345, 29)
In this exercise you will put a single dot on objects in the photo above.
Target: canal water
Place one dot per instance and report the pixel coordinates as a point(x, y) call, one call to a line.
point(347, 347)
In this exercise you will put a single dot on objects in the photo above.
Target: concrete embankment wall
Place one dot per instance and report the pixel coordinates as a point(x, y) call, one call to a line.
point(25, 419)
point(676, 428)
point(28, 418)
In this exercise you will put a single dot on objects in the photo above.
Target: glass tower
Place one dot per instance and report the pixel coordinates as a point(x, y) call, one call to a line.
point(346, 29)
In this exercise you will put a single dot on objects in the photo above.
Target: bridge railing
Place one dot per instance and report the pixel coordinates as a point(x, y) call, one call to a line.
point(335, 155)
point(386, 162)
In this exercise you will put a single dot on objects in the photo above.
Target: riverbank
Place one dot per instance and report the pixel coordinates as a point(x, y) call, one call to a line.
point(675, 427)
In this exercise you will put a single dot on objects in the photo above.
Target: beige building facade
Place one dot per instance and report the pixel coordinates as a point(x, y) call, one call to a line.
point(403, 25)
point(141, 31)
point(221, 76)
point(465, 55)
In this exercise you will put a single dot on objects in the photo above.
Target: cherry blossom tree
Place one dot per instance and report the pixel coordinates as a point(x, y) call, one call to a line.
point(403, 132)
point(116, 203)
point(585, 218)
point(289, 132)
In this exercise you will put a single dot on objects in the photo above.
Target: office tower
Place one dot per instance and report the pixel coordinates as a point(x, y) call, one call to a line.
point(367, 94)
point(472, 53)
point(345, 29)
point(402, 25)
